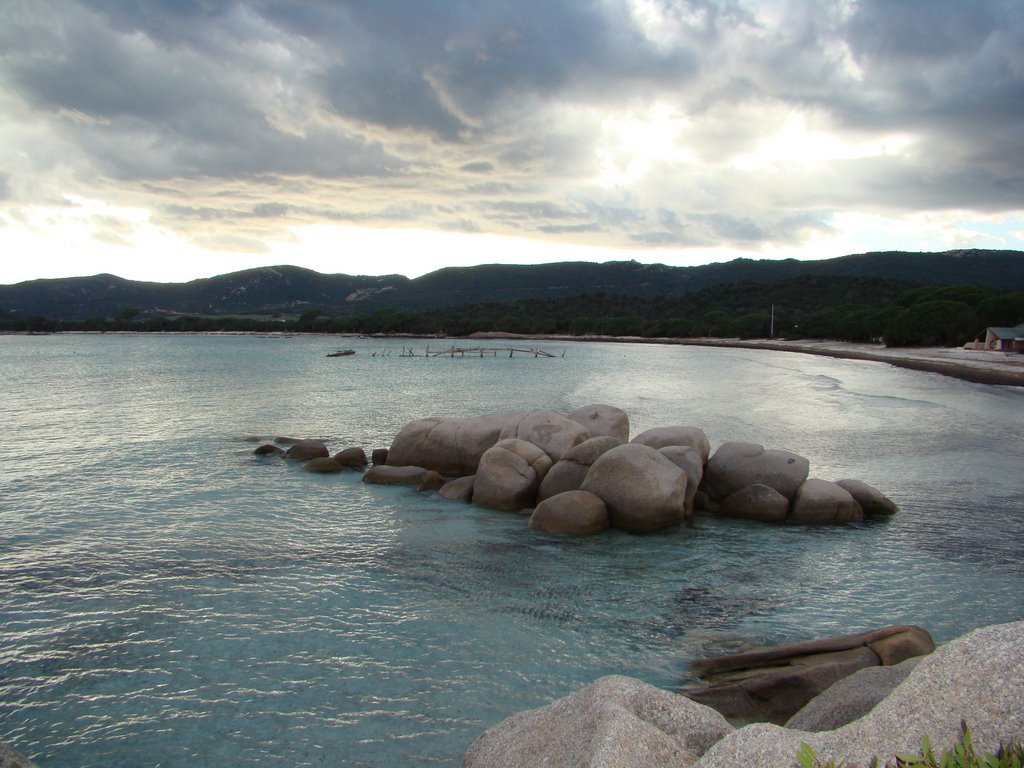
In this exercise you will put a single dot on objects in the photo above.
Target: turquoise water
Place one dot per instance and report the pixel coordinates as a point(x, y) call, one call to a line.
point(168, 599)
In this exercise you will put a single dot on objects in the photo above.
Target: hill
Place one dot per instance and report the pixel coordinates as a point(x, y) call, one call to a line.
point(287, 290)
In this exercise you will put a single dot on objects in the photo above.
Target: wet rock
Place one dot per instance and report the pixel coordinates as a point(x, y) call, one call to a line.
point(379, 456)
point(577, 512)
point(11, 759)
point(269, 450)
point(389, 475)
point(353, 458)
point(431, 481)
point(322, 464)
point(304, 450)
point(756, 502)
point(460, 489)
point(819, 501)
point(871, 500)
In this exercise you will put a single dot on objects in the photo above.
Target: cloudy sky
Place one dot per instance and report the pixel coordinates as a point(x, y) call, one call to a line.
point(174, 139)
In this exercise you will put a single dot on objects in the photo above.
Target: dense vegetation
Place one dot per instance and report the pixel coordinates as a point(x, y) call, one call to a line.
point(826, 307)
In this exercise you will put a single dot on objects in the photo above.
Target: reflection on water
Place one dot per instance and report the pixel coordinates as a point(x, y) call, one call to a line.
point(167, 598)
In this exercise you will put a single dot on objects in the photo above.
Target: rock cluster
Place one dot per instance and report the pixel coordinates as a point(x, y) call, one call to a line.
point(978, 678)
point(772, 684)
point(579, 473)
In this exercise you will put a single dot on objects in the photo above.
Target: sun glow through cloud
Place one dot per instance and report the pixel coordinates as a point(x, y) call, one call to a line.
point(374, 138)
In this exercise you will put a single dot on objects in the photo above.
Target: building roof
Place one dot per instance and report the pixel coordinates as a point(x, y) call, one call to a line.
point(1007, 333)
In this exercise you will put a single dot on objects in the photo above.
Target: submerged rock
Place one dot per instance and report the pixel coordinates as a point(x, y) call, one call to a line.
point(323, 464)
point(269, 450)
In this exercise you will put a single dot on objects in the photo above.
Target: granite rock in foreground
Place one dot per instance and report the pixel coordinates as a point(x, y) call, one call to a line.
point(978, 678)
point(616, 722)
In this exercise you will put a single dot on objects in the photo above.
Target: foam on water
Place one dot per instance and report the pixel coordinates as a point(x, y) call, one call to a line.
point(167, 598)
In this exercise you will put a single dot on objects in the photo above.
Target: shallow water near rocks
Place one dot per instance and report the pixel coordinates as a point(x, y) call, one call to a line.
point(167, 598)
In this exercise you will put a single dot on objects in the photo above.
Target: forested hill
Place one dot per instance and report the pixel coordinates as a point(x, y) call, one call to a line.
point(291, 291)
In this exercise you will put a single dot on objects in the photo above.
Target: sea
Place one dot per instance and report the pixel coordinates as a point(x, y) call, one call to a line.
point(168, 598)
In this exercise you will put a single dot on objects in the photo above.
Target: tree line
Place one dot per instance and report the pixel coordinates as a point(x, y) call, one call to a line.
point(821, 307)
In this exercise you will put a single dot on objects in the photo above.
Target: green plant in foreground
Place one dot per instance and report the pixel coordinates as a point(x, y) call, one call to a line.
point(962, 755)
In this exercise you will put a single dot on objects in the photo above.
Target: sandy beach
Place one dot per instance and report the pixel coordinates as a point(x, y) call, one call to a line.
point(979, 366)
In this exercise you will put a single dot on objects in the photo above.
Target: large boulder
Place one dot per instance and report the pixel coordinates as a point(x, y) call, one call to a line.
point(736, 465)
point(569, 473)
point(691, 461)
point(819, 501)
point(509, 475)
point(644, 491)
point(871, 500)
point(552, 432)
point(756, 502)
point(616, 722)
point(578, 512)
point(662, 437)
point(772, 684)
point(304, 450)
point(851, 698)
point(978, 678)
point(452, 447)
point(603, 420)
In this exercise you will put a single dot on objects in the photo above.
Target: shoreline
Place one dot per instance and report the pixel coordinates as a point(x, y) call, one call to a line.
point(972, 365)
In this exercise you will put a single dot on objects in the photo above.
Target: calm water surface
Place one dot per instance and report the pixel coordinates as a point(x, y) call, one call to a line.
point(168, 599)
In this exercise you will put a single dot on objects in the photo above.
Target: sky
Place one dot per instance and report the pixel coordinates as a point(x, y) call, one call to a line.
point(169, 140)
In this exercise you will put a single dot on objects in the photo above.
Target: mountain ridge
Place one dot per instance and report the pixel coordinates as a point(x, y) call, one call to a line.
point(292, 290)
